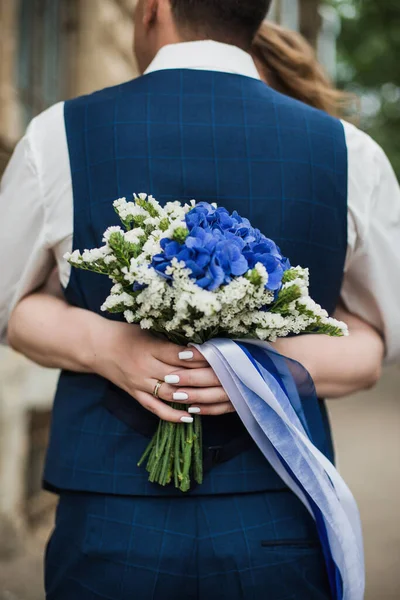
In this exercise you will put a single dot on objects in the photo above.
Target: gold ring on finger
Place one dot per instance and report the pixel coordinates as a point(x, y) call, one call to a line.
point(156, 390)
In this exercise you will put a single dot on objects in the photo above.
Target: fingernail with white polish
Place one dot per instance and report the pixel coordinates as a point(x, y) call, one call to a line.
point(194, 410)
point(187, 355)
point(172, 379)
point(180, 396)
point(187, 419)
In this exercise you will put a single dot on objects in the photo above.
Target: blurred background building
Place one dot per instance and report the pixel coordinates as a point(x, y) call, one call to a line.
point(49, 50)
point(56, 49)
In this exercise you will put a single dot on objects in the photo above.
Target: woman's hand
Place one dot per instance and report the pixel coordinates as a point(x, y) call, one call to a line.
point(136, 360)
point(201, 389)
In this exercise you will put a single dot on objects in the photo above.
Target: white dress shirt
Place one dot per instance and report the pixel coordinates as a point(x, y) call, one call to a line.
point(36, 206)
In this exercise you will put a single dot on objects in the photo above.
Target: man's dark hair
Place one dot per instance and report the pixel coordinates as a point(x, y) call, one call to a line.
point(230, 21)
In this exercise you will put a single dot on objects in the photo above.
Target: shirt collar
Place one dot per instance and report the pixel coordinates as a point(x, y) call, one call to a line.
point(205, 55)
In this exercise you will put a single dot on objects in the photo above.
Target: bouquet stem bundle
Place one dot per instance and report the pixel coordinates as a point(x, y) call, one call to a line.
point(175, 453)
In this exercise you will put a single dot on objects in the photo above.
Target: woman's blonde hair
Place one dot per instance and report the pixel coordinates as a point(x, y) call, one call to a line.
point(289, 64)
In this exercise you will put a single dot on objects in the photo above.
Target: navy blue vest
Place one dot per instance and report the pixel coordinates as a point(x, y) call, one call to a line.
point(183, 134)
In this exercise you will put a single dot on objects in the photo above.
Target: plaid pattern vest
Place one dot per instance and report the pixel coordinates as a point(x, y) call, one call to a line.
point(183, 134)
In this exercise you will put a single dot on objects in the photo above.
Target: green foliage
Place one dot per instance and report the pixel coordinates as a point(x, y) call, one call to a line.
point(285, 298)
point(369, 51)
point(254, 277)
point(123, 250)
point(180, 235)
point(164, 224)
point(290, 275)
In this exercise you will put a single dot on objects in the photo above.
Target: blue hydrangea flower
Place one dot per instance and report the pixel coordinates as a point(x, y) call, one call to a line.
point(213, 276)
point(221, 246)
point(229, 254)
point(198, 216)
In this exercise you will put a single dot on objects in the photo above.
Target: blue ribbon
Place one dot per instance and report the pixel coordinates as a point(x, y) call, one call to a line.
point(276, 365)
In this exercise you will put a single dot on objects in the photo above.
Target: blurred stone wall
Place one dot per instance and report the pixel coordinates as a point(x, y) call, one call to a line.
point(104, 55)
point(97, 44)
point(96, 37)
point(9, 110)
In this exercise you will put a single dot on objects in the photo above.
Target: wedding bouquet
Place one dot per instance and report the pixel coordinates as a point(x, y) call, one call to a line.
point(194, 272)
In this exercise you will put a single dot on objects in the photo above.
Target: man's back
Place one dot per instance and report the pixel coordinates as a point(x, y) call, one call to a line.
point(217, 137)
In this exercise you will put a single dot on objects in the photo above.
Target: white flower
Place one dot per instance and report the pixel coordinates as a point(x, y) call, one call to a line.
point(114, 300)
point(117, 289)
point(339, 324)
point(175, 211)
point(133, 210)
point(170, 207)
point(134, 235)
point(156, 205)
point(152, 221)
point(75, 257)
point(309, 304)
point(189, 331)
point(108, 232)
point(126, 299)
point(151, 247)
point(146, 323)
point(120, 202)
point(262, 271)
point(110, 258)
point(126, 209)
point(95, 255)
point(129, 316)
point(174, 225)
point(300, 284)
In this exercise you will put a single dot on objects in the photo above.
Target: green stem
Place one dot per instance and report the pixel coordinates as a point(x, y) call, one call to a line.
point(177, 456)
point(175, 451)
point(158, 435)
point(155, 458)
point(166, 472)
point(146, 453)
point(198, 450)
point(187, 458)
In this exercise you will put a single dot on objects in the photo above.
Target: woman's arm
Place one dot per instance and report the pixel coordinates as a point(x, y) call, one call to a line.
point(339, 366)
point(56, 335)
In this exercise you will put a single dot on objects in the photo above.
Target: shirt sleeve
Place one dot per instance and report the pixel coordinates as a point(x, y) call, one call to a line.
point(371, 287)
point(26, 258)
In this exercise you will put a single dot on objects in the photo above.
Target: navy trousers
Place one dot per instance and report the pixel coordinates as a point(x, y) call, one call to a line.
point(260, 546)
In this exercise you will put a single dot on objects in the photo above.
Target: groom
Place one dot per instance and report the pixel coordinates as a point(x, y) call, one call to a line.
point(199, 124)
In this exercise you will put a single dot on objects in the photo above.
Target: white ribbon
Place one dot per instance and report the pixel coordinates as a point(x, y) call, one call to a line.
point(278, 429)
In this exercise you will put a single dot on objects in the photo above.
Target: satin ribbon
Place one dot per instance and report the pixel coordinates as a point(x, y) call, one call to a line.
point(264, 389)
